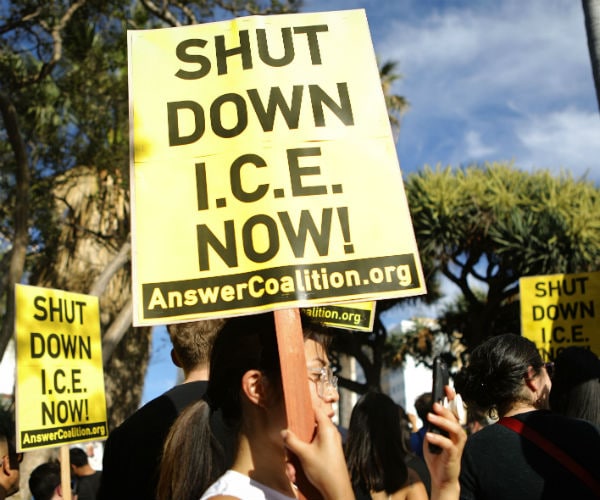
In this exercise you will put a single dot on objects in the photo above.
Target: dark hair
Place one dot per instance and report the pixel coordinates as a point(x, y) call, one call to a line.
point(78, 457)
point(476, 415)
point(193, 459)
point(244, 343)
point(44, 479)
point(496, 372)
point(7, 433)
point(405, 429)
point(576, 384)
point(423, 406)
point(374, 447)
point(193, 341)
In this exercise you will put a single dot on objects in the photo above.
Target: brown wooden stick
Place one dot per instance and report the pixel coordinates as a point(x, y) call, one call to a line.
point(294, 376)
point(65, 472)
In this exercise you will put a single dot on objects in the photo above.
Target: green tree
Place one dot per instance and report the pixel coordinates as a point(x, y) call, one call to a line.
point(64, 216)
point(483, 227)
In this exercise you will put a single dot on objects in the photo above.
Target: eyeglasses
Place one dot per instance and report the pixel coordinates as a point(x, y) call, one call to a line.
point(324, 379)
point(549, 369)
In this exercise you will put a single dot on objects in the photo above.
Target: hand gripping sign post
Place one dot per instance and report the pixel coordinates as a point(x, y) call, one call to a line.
point(263, 170)
point(559, 310)
point(60, 381)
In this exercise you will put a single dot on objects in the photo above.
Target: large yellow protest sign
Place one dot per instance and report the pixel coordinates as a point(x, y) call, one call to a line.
point(559, 310)
point(264, 172)
point(60, 382)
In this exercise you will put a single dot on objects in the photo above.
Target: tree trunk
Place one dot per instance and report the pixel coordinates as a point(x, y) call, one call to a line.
point(591, 12)
point(20, 215)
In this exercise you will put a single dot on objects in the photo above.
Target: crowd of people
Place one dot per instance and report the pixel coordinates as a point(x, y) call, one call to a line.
point(532, 429)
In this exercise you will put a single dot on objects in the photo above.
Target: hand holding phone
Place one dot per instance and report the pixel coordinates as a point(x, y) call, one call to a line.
point(441, 378)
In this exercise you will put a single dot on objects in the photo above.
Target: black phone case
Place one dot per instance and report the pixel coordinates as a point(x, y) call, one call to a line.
point(441, 378)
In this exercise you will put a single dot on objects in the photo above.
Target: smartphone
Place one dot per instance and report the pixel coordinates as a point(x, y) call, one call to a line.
point(441, 377)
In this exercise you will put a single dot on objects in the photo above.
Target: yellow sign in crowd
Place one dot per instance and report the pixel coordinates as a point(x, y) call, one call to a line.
point(263, 169)
point(559, 310)
point(60, 383)
point(263, 175)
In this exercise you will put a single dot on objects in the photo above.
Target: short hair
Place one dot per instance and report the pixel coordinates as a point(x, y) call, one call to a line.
point(193, 341)
point(423, 405)
point(44, 479)
point(78, 457)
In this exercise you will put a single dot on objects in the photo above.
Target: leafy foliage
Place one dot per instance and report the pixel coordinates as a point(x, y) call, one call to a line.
point(486, 226)
point(64, 161)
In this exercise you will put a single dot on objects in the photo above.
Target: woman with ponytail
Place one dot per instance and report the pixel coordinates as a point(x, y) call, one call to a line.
point(530, 453)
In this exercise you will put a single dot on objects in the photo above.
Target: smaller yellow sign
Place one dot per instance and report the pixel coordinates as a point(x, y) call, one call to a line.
point(352, 316)
point(559, 310)
point(60, 381)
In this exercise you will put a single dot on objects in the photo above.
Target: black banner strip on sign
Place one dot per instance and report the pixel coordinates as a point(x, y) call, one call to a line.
point(67, 434)
point(279, 285)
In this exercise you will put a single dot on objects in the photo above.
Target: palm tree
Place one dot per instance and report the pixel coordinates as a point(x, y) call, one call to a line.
point(396, 104)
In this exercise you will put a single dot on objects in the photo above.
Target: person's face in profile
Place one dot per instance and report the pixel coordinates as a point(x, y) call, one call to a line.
point(9, 473)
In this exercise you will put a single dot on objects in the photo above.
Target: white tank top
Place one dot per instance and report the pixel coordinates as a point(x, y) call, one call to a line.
point(234, 484)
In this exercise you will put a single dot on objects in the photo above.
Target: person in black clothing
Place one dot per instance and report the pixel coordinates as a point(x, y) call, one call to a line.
point(517, 458)
point(133, 450)
point(576, 384)
point(87, 479)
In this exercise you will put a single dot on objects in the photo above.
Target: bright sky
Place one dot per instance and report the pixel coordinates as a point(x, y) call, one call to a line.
point(491, 80)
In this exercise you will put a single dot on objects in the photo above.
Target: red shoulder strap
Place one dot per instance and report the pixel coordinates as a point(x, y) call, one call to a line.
point(552, 450)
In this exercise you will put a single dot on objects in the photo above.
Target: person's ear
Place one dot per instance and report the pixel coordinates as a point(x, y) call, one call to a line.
point(531, 380)
point(255, 387)
point(175, 358)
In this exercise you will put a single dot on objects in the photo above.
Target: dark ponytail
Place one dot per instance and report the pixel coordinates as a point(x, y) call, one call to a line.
point(192, 457)
point(496, 372)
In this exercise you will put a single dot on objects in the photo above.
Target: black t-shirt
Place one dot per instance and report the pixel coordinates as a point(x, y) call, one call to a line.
point(87, 486)
point(500, 464)
point(132, 451)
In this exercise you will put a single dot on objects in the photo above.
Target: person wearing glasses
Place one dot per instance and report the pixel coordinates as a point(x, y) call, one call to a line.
point(245, 388)
point(576, 384)
point(530, 453)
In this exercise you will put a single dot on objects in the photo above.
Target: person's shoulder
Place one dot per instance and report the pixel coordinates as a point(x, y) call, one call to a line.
point(138, 422)
point(484, 437)
point(184, 394)
point(568, 425)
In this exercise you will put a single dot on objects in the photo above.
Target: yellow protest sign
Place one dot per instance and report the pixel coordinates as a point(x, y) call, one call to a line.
point(358, 316)
point(264, 172)
point(559, 310)
point(60, 381)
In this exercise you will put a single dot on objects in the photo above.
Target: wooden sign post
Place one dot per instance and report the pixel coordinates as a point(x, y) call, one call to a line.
point(65, 472)
point(298, 405)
